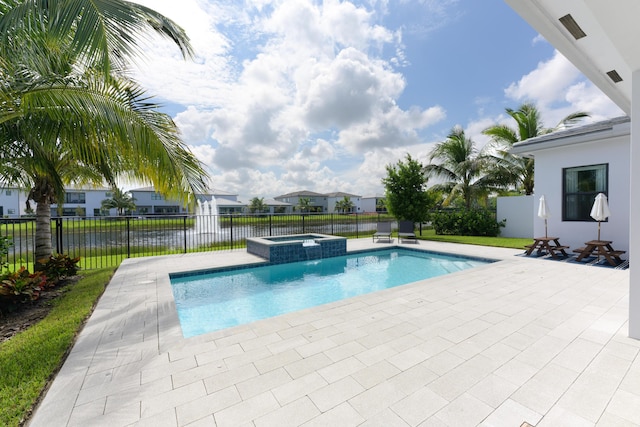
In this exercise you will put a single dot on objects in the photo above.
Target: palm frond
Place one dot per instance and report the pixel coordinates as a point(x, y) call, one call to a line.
point(105, 31)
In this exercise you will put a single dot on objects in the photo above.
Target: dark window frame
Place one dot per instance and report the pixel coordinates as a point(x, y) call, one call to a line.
point(585, 217)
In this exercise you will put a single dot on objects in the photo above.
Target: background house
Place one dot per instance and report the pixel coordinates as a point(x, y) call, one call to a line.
point(150, 202)
point(12, 202)
point(369, 204)
point(278, 207)
point(333, 198)
point(84, 202)
point(571, 168)
point(317, 201)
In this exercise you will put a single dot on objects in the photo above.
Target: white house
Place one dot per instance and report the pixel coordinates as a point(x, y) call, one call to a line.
point(278, 207)
point(601, 39)
point(572, 167)
point(333, 198)
point(317, 201)
point(12, 202)
point(85, 202)
point(369, 204)
point(149, 202)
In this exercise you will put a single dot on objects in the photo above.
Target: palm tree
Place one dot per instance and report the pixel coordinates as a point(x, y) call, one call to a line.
point(465, 171)
point(119, 200)
point(106, 33)
point(66, 105)
point(304, 204)
point(345, 205)
point(257, 205)
point(515, 169)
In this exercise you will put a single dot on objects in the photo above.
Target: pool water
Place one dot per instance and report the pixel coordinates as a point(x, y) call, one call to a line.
point(218, 300)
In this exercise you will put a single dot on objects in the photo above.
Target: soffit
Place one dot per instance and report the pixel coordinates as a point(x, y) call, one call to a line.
point(611, 32)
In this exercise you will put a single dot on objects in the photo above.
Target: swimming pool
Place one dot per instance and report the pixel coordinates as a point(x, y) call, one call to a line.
point(207, 302)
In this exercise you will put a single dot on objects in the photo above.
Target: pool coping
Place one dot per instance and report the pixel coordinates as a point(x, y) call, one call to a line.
point(394, 249)
point(170, 331)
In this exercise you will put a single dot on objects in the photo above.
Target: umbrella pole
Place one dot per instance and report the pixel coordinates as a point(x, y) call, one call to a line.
point(545, 228)
point(598, 230)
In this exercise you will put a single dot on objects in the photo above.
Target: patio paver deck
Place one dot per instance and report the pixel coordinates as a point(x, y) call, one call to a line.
point(520, 340)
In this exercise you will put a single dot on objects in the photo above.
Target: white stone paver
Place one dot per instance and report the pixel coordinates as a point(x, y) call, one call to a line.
point(518, 340)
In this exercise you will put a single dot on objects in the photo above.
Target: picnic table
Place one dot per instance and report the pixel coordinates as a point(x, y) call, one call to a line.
point(550, 245)
point(600, 248)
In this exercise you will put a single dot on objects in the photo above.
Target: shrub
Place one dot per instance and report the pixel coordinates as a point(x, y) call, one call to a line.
point(472, 222)
point(20, 287)
point(60, 267)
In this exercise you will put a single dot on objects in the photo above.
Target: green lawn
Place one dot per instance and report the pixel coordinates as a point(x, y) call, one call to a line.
point(29, 359)
point(502, 242)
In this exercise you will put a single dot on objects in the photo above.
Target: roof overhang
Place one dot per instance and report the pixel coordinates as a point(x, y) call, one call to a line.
point(595, 132)
point(609, 46)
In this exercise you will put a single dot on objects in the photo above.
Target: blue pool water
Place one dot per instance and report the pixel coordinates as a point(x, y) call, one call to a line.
point(218, 300)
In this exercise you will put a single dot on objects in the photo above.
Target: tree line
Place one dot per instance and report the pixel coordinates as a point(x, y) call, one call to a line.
point(468, 176)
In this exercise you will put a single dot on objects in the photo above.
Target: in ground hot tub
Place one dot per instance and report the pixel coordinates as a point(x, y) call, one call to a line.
point(297, 247)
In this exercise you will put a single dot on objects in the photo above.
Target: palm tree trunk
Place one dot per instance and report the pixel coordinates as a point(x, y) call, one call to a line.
point(43, 194)
point(43, 234)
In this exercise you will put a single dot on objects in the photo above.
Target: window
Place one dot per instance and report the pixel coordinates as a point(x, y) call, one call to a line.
point(74, 197)
point(78, 211)
point(11, 211)
point(156, 196)
point(7, 192)
point(580, 187)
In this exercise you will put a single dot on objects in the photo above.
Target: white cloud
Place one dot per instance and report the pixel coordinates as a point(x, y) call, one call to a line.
point(285, 92)
point(559, 89)
point(546, 84)
point(301, 94)
point(196, 125)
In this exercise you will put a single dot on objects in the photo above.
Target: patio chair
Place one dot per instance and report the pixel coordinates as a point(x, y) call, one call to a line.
point(383, 232)
point(405, 231)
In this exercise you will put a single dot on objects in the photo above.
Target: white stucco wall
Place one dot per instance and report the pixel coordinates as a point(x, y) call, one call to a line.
point(548, 181)
point(518, 211)
point(10, 201)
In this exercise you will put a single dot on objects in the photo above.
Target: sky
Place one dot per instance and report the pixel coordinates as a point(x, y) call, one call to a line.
point(290, 95)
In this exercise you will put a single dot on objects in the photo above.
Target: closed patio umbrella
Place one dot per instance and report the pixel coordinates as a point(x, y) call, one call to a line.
point(544, 213)
point(600, 210)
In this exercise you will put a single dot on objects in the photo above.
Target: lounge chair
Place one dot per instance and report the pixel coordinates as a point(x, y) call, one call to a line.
point(383, 232)
point(405, 231)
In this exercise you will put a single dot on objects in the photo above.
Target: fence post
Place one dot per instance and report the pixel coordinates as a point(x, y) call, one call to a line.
point(128, 238)
point(231, 229)
point(59, 248)
point(184, 229)
point(302, 223)
point(270, 224)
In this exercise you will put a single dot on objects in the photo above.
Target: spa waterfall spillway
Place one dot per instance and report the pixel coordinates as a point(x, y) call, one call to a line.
point(297, 247)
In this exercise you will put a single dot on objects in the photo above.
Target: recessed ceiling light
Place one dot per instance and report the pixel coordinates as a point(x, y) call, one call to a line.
point(613, 75)
point(572, 26)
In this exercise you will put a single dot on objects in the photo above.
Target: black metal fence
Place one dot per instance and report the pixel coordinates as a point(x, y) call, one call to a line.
point(105, 241)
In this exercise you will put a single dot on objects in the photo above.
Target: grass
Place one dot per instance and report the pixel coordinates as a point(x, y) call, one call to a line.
point(29, 359)
point(501, 242)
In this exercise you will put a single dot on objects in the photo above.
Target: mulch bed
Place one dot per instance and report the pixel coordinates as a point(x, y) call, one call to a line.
point(28, 314)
